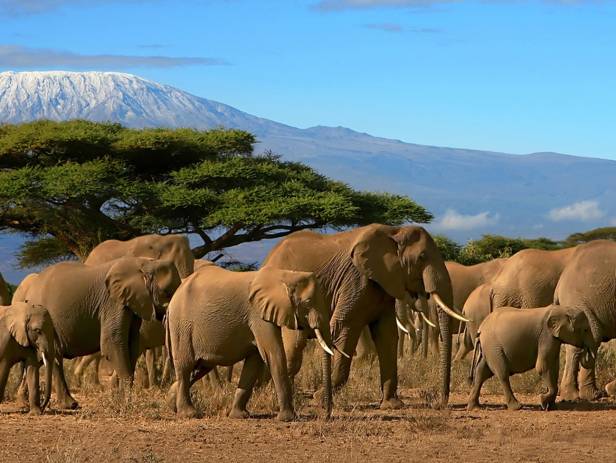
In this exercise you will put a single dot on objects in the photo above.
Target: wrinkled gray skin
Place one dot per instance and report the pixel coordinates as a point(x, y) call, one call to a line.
point(589, 282)
point(515, 340)
point(219, 317)
point(363, 271)
point(101, 308)
point(26, 331)
point(174, 248)
point(168, 247)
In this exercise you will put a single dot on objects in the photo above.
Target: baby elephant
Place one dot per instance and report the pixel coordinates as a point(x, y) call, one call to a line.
point(220, 317)
point(514, 340)
point(26, 330)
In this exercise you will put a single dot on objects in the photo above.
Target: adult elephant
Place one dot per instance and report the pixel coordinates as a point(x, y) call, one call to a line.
point(162, 247)
point(527, 279)
point(100, 307)
point(464, 279)
point(174, 248)
point(589, 283)
point(363, 271)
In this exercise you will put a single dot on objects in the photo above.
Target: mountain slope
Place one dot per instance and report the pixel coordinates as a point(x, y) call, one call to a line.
point(470, 192)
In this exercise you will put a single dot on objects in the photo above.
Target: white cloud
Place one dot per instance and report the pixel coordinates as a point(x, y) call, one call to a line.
point(16, 56)
point(453, 220)
point(582, 210)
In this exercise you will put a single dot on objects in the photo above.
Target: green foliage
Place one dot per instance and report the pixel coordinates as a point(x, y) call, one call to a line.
point(73, 184)
point(604, 233)
point(490, 247)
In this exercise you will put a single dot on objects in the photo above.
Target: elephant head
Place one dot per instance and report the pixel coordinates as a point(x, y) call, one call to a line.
point(172, 247)
point(143, 285)
point(407, 264)
point(295, 300)
point(571, 326)
point(31, 327)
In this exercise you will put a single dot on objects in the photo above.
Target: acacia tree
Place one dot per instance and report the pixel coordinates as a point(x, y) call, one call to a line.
point(70, 185)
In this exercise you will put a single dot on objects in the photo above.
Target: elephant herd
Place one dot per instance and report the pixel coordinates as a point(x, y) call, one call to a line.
point(373, 281)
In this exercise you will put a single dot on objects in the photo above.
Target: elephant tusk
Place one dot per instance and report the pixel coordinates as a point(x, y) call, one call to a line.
point(427, 320)
point(343, 353)
point(322, 342)
point(401, 326)
point(447, 310)
point(44, 360)
point(165, 305)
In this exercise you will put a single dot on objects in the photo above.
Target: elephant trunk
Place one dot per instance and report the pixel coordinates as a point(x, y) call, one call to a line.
point(438, 285)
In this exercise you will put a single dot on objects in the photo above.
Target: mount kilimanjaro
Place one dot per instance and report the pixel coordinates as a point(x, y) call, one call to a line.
point(470, 192)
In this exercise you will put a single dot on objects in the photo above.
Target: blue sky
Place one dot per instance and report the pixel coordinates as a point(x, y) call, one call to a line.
point(513, 76)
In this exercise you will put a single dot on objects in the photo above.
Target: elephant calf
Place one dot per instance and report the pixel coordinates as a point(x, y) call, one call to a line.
point(514, 340)
point(26, 330)
point(220, 317)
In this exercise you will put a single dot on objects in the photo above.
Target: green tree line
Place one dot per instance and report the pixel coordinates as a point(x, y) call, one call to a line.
point(491, 247)
point(70, 185)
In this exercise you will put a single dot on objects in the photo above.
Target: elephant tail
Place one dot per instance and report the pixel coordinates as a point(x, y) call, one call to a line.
point(477, 354)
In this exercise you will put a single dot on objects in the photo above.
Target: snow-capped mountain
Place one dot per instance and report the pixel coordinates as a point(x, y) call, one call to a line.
point(470, 192)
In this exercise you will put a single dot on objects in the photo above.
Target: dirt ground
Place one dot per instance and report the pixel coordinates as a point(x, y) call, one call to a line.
point(583, 432)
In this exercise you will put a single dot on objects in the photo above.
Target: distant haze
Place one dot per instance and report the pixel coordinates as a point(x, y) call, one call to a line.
point(469, 192)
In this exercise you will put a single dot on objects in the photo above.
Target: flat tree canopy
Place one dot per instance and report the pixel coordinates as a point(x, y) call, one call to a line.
point(71, 185)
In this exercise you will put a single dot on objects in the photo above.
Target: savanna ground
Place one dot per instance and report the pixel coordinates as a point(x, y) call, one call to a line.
point(142, 429)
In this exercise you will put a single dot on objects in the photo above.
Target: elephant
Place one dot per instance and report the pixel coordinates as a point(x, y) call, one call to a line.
point(5, 297)
point(589, 283)
point(20, 293)
point(525, 280)
point(100, 307)
point(220, 317)
point(513, 340)
point(26, 330)
point(168, 247)
point(363, 271)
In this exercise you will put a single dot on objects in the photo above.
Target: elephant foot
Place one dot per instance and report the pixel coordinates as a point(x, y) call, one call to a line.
point(187, 412)
point(22, 397)
point(35, 411)
point(591, 393)
point(548, 403)
point(67, 403)
point(391, 404)
point(569, 394)
point(286, 415)
point(172, 397)
point(610, 389)
point(239, 414)
point(514, 405)
point(472, 405)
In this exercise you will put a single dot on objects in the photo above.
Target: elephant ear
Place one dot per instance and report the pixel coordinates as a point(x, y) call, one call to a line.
point(17, 321)
point(558, 322)
point(272, 297)
point(375, 255)
point(131, 286)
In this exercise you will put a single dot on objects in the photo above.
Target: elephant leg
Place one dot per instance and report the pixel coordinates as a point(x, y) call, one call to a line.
point(271, 348)
point(167, 368)
point(251, 371)
point(400, 344)
point(32, 376)
point(5, 368)
point(150, 364)
point(64, 398)
point(184, 406)
point(502, 373)
point(346, 341)
point(230, 373)
point(120, 338)
point(424, 339)
point(22, 390)
point(569, 384)
point(481, 375)
point(294, 344)
point(385, 335)
point(588, 385)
